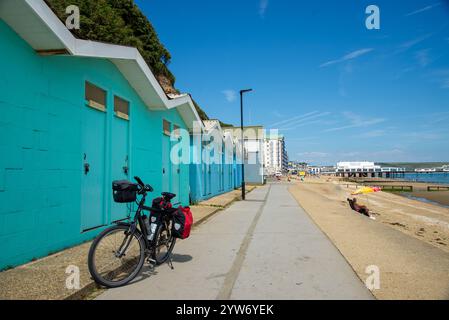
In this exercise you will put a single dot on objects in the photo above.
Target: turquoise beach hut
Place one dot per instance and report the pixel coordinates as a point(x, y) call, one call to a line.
point(76, 115)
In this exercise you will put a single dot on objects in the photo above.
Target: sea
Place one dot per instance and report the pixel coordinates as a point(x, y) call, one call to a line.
point(431, 177)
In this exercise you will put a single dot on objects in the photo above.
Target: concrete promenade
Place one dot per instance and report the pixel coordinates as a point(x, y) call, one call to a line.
point(264, 248)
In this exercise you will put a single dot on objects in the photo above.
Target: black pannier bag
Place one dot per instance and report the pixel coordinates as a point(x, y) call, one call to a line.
point(124, 191)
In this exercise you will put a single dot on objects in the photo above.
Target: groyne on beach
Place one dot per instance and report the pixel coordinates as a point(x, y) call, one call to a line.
point(420, 189)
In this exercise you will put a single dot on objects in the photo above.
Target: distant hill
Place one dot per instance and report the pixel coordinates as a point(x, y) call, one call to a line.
point(121, 22)
point(413, 165)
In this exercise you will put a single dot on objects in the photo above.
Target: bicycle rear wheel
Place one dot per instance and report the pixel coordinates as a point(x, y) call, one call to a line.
point(116, 257)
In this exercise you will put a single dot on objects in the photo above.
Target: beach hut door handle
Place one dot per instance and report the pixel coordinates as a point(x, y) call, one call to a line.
point(86, 168)
point(86, 165)
point(125, 168)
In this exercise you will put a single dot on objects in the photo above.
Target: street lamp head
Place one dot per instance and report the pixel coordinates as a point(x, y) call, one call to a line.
point(246, 90)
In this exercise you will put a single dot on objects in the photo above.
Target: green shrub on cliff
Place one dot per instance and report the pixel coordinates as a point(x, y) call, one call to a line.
point(119, 22)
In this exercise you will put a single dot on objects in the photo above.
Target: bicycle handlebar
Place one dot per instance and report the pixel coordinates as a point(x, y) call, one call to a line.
point(145, 187)
point(139, 181)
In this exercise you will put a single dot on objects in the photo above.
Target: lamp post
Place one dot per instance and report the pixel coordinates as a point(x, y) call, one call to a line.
point(243, 141)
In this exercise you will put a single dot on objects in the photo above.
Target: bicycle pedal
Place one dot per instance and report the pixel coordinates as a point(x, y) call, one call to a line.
point(151, 261)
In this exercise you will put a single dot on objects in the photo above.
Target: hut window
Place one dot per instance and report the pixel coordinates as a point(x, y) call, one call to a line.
point(121, 108)
point(166, 127)
point(95, 96)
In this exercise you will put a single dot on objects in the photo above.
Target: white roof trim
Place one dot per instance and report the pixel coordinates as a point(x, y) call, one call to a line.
point(126, 59)
point(212, 124)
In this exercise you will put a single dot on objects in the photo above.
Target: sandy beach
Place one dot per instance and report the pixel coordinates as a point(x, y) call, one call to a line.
point(409, 240)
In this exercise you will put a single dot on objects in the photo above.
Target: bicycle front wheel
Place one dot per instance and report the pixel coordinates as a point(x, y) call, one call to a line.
point(116, 257)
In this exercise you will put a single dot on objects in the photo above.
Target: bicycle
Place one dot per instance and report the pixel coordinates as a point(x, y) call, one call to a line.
point(117, 254)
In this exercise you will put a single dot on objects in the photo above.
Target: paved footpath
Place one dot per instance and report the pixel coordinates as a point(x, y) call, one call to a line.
point(263, 248)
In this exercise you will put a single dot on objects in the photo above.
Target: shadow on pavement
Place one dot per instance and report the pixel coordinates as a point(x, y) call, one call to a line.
point(181, 257)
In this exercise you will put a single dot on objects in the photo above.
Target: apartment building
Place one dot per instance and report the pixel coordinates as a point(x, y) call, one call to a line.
point(275, 152)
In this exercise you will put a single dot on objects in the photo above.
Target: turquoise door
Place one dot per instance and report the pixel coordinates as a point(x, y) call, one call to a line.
point(220, 176)
point(204, 176)
point(175, 181)
point(93, 169)
point(209, 179)
point(230, 183)
point(119, 162)
point(176, 178)
point(207, 173)
point(222, 173)
point(166, 167)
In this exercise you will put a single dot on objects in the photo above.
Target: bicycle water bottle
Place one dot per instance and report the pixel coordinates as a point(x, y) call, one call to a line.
point(146, 223)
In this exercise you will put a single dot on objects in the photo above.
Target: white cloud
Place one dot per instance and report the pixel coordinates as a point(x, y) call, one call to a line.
point(426, 8)
point(284, 122)
point(377, 155)
point(356, 54)
point(438, 117)
point(403, 72)
point(441, 77)
point(374, 134)
point(445, 84)
point(386, 154)
point(342, 79)
point(423, 57)
point(277, 114)
point(230, 95)
point(356, 121)
point(424, 135)
point(313, 154)
point(347, 57)
point(263, 5)
point(303, 121)
point(331, 158)
point(407, 45)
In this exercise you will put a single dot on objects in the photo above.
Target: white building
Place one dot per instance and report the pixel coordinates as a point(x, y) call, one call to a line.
point(276, 158)
point(254, 137)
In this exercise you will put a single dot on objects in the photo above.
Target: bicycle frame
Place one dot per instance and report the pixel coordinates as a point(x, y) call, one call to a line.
point(138, 221)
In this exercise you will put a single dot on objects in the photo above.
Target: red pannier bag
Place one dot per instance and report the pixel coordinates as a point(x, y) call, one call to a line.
point(182, 223)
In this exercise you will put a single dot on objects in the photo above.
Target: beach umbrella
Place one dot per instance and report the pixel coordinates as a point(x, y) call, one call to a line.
point(366, 190)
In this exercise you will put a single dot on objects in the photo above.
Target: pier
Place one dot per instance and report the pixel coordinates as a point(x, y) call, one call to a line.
point(367, 170)
point(371, 170)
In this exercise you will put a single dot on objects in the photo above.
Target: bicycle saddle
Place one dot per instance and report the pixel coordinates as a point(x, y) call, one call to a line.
point(168, 195)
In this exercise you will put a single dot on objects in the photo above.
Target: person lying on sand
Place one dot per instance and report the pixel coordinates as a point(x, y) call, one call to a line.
point(359, 208)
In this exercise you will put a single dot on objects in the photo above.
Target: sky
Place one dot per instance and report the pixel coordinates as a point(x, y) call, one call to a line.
point(337, 90)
